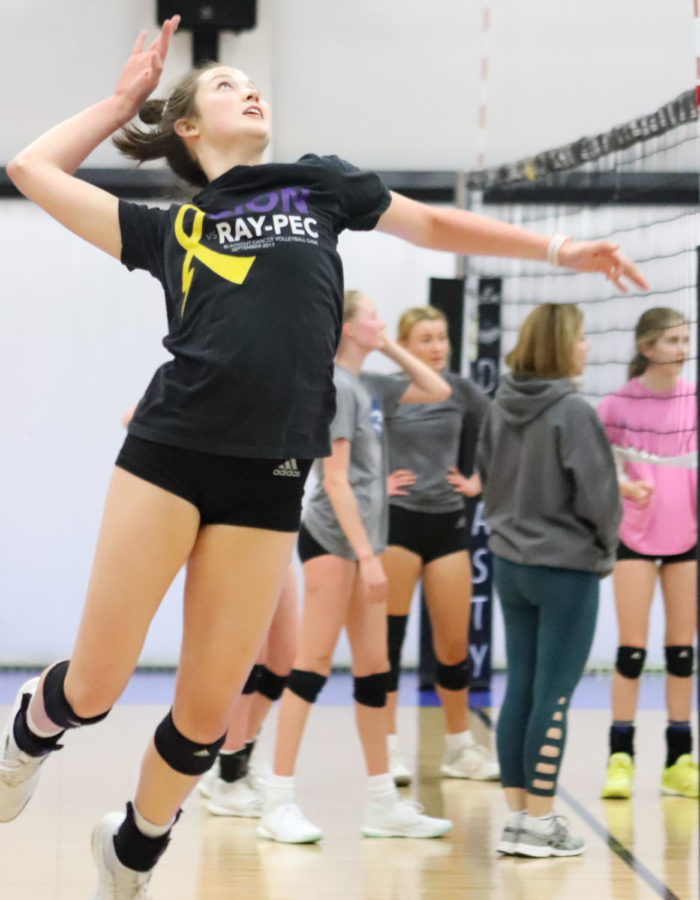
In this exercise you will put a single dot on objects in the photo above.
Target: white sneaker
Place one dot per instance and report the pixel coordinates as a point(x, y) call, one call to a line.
point(285, 822)
point(115, 881)
point(259, 772)
point(471, 760)
point(510, 834)
point(205, 785)
point(395, 817)
point(398, 769)
point(19, 772)
point(237, 798)
point(555, 840)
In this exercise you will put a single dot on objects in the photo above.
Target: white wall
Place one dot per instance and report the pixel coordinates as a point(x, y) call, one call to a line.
point(389, 85)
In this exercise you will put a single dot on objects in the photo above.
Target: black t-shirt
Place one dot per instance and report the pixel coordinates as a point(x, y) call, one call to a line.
point(254, 294)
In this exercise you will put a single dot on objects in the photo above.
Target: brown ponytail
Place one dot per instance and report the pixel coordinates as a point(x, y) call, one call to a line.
point(160, 141)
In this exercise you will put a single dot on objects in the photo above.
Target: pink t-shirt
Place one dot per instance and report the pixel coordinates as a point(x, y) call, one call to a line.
point(664, 423)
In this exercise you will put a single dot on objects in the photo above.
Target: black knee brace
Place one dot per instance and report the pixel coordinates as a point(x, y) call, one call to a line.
point(454, 678)
point(182, 754)
point(630, 661)
point(251, 685)
point(57, 707)
point(679, 661)
point(306, 685)
point(370, 690)
point(396, 626)
point(269, 684)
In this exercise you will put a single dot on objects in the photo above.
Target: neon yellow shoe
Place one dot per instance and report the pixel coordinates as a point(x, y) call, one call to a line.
point(618, 780)
point(681, 779)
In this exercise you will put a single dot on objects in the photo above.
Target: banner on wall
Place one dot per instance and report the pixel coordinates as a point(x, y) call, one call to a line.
point(484, 372)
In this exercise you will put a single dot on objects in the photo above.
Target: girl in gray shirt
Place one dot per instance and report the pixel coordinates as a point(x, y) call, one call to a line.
point(428, 540)
point(343, 532)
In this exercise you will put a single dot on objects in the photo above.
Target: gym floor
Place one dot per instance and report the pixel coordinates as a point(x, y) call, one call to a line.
point(642, 848)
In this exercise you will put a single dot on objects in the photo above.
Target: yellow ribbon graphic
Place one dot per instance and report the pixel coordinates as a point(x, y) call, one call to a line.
point(232, 268)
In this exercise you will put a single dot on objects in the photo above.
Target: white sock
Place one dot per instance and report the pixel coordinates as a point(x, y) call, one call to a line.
point(381, 787)
point(41, 732)
point(459, 740)
point(148, 828)
point(516, 818)
point(540, 824)
point(280, 787)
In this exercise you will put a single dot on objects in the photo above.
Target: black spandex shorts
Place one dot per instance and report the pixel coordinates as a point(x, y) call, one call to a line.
point(308, 547)
point(428, 535)
point(625, 552)
point(227, 490)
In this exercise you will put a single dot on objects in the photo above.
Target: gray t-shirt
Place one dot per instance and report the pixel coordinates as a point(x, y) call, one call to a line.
point(362, 404)
point(425, 437)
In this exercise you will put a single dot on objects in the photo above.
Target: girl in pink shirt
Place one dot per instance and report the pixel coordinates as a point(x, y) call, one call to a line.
point(655, 413)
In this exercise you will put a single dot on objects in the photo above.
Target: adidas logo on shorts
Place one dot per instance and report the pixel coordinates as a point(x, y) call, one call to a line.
point(288, 469)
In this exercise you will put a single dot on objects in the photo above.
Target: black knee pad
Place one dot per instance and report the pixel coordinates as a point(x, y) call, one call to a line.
point(306, 685)
point(269, 684)
point(454, 678)
point(251, 685)
point(630, 661)
point(57, 707)
point(370, 690)
point(182, 754)
point(679, 661)
point(396, 631)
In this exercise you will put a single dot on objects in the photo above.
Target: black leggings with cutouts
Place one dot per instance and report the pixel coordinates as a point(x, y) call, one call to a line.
point(549, 616)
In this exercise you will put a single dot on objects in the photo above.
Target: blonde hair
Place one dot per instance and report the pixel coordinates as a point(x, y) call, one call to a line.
point(415, 314)
point(650, 327)
point(545, 346)
point(351, 302)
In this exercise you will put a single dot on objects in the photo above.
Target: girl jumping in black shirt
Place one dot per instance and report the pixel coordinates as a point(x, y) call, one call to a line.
point(212, 471)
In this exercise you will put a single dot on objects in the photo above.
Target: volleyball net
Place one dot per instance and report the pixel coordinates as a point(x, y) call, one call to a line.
point(635, 185)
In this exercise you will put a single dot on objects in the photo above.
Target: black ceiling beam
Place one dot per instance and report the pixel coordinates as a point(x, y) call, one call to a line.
point(578, 188)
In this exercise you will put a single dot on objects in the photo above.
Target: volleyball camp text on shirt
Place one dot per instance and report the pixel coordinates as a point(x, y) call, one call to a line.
point(251, 274)
point(663, 423)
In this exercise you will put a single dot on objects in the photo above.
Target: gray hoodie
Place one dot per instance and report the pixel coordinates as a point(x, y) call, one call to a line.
point(551, 496)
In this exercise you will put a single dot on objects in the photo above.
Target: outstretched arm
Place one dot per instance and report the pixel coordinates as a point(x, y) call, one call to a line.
point(458, 231)
point(43, 171)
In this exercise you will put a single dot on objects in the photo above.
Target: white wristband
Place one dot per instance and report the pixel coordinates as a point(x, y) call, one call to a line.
point(555, 244)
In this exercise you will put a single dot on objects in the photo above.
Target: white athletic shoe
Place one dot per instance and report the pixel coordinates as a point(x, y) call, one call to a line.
point(115, 881)
point(237, 798)
point(395, 817)
point(398, 769)
point(471, 760)
point(554, 840)
point(259, 772)
point(510, 834)
point(285, 822)
point(205, 785)
point(19, 772)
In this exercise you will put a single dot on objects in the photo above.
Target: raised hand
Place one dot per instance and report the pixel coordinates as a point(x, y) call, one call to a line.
point(143, 68)
point(601, 256)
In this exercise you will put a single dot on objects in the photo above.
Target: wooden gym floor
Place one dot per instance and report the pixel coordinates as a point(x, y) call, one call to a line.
point(643, 848)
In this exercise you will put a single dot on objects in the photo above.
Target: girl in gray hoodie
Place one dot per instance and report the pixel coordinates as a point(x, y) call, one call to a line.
point(552, 502)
